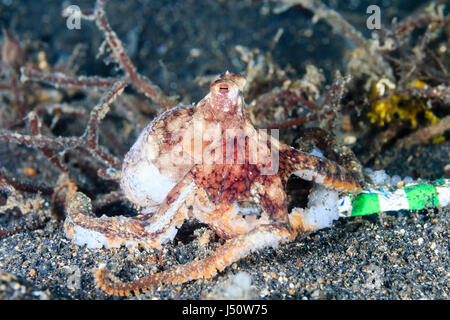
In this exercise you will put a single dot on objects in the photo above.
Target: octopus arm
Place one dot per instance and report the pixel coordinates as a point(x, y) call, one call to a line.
point(317, 169)
point(83, 227)
point(233, 250)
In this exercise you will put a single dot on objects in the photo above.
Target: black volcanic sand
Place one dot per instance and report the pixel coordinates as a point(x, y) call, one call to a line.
point(401, 255)
point(390, 256)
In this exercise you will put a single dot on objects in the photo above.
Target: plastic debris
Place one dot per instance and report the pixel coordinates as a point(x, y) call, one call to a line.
point(414, 196)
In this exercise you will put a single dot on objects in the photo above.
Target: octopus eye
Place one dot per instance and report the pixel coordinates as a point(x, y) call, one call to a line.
point(223, 88)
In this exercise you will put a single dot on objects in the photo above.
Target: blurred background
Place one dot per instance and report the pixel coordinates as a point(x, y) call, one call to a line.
point(173, 42)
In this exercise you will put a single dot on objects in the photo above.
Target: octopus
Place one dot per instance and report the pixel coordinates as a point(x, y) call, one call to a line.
point(207, 162)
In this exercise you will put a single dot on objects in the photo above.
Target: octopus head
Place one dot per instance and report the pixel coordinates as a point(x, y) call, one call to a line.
point(226, 94)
